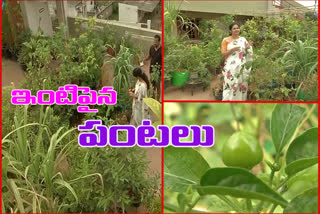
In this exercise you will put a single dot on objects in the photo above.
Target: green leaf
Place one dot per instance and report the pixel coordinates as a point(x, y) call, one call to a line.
point(300, 165)
point(176, 183)
point(182, 167)
point(155, 125)
point(154, 105)
point(237, 182)
point(173, 208)
point(182, 202)
point(68, 186)
point(304, 146)
point(284, 121)
point(302, 152)
point(307, 202)
point(17, 195)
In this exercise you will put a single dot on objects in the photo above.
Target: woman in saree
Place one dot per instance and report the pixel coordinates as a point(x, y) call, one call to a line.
point(236, 51)
point(140, 110)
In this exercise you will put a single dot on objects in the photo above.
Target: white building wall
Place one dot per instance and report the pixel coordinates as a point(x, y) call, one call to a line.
point(36, 14)
point(128, 13)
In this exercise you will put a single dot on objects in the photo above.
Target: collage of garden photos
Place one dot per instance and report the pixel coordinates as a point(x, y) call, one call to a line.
point(159, 106)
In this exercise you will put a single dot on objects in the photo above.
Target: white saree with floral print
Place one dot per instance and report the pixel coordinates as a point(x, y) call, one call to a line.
point(236, 75)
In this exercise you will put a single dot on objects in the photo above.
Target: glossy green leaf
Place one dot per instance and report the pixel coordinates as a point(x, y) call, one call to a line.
point(300, 182)
point(284, 121)
point(307, 202)
point(299, 165)
point(302, 152)
point(182, 202)
point(304, 146)
point(182, 167)
point(155, 125)
point(237, 182)
point(154, 105)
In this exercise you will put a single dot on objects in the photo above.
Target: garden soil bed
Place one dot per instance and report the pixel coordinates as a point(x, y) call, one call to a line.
point(12, 72)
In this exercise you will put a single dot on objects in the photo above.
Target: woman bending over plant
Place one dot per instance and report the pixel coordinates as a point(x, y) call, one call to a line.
point(236, 52)
point(140, 110)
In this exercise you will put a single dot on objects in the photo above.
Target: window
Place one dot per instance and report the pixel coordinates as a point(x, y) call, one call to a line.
point(189, 28)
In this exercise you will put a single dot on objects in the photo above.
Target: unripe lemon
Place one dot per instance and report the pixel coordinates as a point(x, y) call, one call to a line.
point(242, 150)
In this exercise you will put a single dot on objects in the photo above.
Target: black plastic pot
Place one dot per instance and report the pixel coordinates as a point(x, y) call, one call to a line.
point(261, 93)
point(218, 70)
point(274, 85)
point(136, 203)
point(290, 85)
point(219, 96)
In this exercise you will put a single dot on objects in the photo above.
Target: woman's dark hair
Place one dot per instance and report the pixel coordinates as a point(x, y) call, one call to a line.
point(137, 72)
point(231, 26)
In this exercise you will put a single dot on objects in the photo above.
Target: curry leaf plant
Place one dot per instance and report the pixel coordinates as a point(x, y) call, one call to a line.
point(196, 183)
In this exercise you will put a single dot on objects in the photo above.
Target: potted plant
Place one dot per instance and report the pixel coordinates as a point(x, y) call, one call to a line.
point(217, 90)
point(175, 65)
point(308, 89)
point(212, 36)
point(175, 54)
point(191, 61)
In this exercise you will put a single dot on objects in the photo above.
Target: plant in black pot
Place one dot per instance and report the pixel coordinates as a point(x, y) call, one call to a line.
point(217, 90)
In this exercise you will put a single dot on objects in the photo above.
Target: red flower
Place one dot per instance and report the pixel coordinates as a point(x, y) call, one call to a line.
point(234, 88)
point(243, 87)
point(240, 55)
point(228, 74)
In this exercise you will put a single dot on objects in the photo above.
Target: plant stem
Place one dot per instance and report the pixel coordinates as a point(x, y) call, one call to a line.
point(190, 206)
point(309, 114)
point(273, 208)
point(282, 183)
point(260, 119)
point(234, 206)
point(249, 205)
point(170, 207)
point(260, 205)
point(235, 116)
point(271, 177)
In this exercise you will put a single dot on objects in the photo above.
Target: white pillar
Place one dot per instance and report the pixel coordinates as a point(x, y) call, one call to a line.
point(62, 13)
point(149, 23)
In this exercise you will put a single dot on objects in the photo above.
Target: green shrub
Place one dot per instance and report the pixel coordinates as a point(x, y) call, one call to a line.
point(45, 170)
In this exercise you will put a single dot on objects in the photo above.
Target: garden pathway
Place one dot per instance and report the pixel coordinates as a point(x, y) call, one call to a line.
point(176, 93)
point(11, 73)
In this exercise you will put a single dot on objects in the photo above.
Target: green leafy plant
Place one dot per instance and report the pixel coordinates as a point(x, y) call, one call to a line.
point(301, 58)
point(284, 52)
point(195, 182)
point(45, 170)
point(122, 72)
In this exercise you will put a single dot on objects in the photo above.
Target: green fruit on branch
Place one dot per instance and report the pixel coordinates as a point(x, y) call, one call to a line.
point(242, 150)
